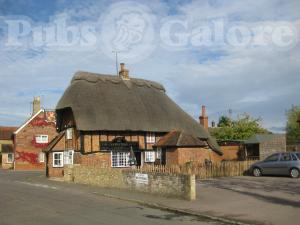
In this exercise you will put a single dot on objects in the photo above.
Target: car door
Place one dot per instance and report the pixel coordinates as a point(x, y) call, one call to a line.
point(269, 166)
point(282, 167)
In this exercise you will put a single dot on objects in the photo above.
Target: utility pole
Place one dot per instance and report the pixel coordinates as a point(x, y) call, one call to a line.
point(117, 66)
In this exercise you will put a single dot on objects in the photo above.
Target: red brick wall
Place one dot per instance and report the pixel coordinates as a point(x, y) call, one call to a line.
point(26, 152)
point(99, 159)
point(53, 172)
point(183, 155)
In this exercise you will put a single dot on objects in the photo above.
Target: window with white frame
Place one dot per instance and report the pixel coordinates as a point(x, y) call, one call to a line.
point(41, 157)
point(58, 159)
point(120, 159)
point(68, 157)
point(150, 156)
point(10, 158)
point(150, 137)
point(41, 139)
point(69, 133)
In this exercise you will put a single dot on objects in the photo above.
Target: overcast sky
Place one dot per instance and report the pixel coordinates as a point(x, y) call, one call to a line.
point(251, 65)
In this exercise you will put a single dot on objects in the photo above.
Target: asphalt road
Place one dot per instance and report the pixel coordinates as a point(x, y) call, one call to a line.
point(27, 198)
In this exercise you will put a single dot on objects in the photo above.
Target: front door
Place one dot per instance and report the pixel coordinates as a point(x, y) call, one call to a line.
point(138, 158)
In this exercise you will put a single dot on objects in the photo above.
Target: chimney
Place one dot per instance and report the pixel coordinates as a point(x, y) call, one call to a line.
point(36, 105)
point(123, 73)
point(203, 118)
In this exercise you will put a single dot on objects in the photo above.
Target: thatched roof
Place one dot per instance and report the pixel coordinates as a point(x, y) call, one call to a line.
point(106, 102)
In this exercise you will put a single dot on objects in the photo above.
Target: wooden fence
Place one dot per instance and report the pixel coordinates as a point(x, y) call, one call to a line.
point(202, 171)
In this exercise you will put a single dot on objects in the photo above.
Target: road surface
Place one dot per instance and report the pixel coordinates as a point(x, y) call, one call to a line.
point(27, 198)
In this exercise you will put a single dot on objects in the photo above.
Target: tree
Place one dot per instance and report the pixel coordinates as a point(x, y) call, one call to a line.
point(292, 127)
point(224, 121)
point(241, 128)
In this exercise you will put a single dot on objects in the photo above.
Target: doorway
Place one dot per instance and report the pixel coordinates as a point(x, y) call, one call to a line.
point(138, 157)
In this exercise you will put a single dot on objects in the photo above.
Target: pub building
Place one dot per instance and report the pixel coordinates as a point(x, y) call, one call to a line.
point(119, 121)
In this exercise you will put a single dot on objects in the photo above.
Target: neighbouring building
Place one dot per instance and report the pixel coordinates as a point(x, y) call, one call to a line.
point(232, 150)
point(260, 146)
point(32, 137)
point(118, 121)
point(6, 147)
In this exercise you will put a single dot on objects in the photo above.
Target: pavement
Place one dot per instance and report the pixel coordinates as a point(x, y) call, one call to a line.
point(238, 200)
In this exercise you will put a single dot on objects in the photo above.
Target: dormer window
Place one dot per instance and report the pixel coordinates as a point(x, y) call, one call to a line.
point(150, 139)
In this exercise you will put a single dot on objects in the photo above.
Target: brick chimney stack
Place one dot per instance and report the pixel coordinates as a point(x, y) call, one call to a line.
point(123, 73)
point(36, 105)
point(203, 118)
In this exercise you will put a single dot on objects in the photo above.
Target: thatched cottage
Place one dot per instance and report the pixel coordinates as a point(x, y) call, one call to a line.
point(118, 121)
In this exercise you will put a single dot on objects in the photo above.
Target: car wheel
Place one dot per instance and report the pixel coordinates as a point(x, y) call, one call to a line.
point(256, 172)
point(294, 173)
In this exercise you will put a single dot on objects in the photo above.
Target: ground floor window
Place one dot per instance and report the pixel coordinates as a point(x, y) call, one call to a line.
point(150, 156)
point(158, 154)
point(68, 157)
point(41, 157)
point(120, 159)
point(10, 157)
point(58, 159)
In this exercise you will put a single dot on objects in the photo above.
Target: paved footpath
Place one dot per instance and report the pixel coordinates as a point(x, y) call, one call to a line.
point(249, 200)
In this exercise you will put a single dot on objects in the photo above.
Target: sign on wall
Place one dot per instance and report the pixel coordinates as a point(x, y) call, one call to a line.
point(141, 178)
point(119, 144)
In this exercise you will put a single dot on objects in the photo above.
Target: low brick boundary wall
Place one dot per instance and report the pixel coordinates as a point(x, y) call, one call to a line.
point(164, 184)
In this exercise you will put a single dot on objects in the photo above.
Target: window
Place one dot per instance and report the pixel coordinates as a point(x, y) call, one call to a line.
point(69, 133)
point(10, 157)
point(150, 138)
point(294, 157)
point(41, 139)
point(58, 159)
point(272, 158)
point(120, 159)
point(298, 155)
point(158, 153)
point(41, 157)
point(150, 156)
point(285, 157)
point(68, 157)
